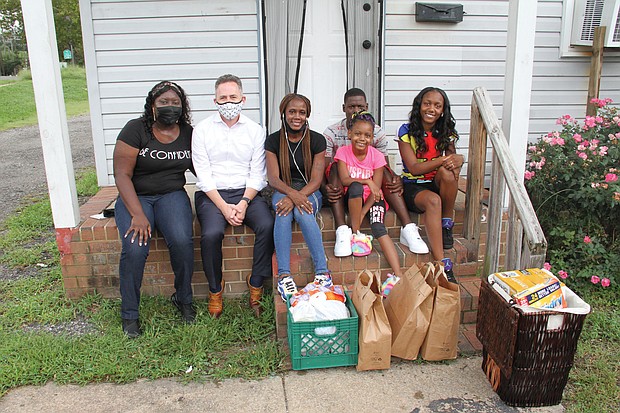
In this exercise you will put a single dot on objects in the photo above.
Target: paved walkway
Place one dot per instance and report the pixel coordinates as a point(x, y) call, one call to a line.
point(458, 386)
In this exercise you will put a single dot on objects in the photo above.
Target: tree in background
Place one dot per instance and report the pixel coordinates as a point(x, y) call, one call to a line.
point(12, 43)
point(68, 29)
point(13, 38)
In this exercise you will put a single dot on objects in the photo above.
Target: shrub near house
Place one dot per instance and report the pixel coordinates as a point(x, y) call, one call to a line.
point(572, 177)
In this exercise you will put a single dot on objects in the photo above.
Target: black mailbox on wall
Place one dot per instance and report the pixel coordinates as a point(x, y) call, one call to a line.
point(438, 12)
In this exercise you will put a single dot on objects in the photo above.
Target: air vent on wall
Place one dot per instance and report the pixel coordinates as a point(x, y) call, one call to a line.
point(590, 14)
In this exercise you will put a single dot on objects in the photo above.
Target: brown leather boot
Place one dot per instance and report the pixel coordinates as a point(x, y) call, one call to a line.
point(216, 305)
point(256, 294)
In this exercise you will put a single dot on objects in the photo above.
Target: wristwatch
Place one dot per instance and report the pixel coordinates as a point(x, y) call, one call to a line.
point(246, 199)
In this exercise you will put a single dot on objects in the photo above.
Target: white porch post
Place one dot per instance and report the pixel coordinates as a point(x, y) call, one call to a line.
point(518, 81)
point(517, 99)
point(49, 98)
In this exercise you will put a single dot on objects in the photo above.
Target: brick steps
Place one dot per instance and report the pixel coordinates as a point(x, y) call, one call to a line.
point(345, 271)
point(90, 254)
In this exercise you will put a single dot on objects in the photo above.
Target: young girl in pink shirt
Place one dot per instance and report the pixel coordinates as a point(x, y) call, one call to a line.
point(360, 167)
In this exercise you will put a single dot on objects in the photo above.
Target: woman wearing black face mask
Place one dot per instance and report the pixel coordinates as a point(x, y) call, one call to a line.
point(151, 156)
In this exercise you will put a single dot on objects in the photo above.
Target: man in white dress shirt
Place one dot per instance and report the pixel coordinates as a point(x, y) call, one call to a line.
point(228, 152)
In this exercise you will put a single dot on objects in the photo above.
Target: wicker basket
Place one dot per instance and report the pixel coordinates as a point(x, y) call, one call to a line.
point(526, 361)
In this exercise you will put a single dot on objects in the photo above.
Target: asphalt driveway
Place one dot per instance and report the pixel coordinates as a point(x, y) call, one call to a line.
point(21, 161)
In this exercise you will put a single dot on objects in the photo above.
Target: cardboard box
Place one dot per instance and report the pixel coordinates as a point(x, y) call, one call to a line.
point(532, 287)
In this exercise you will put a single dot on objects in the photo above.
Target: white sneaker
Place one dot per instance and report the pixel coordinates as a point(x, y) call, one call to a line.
point(410, 236)
point(286, 287)
point(324, 279)
point(342, 248)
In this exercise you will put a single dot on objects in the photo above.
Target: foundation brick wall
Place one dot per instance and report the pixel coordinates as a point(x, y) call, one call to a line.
point(90, 255)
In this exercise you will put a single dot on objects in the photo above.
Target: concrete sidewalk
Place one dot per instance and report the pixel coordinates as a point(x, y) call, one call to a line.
point(458, 386)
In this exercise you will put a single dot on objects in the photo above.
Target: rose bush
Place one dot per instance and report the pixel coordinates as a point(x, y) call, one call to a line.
point(572, 177)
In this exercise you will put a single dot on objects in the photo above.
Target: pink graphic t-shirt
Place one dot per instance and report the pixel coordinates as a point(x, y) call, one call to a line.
point(363, 169)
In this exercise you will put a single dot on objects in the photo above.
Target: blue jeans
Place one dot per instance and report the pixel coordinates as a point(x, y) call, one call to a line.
point(282, 234)
point(171, 214)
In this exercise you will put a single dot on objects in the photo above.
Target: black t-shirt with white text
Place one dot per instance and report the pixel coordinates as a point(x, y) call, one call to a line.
point(160, 167)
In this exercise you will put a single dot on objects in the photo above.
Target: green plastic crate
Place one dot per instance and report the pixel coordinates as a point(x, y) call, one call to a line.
point(310, 350)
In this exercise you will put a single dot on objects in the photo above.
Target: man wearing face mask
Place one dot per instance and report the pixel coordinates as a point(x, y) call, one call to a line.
point(151, 156)
point(229, 158)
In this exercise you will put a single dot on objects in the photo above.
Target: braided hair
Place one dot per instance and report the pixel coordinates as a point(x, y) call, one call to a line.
point(363, 116)
point(285, 163)
point(444, 129)
point(158, 90)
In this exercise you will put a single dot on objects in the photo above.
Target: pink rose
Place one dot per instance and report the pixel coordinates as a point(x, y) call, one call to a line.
point(582, 155)
point(611, 178)
point(595, 279)
point(590, 121)
point(605, 282)
point(529, 175)
point(587, 239)
point(563, 274)
point(577, 138)
point(603, 150)
point(564, 120)
point(601, 102)
point(547, 266)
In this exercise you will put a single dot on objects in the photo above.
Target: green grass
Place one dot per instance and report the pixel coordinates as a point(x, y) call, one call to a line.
point(594, 381)
point(236, 345)
point(86, 183)
point(28, 237)
point(17, 98)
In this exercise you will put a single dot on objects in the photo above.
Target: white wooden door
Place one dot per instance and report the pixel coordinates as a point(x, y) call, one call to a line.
point(322, 76)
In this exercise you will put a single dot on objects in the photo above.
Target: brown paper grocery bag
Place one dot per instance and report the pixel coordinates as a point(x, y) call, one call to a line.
point(375, 335)
point(409, 307)
point(442, 338)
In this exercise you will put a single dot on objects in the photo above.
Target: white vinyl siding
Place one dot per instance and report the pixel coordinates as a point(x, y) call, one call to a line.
point(134, 44)
point(459, 57)
point(560, 85)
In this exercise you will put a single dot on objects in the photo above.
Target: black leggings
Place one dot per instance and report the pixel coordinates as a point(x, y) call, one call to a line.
point(376, 214)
